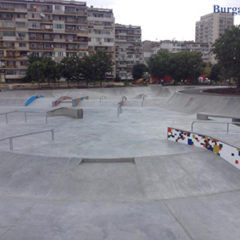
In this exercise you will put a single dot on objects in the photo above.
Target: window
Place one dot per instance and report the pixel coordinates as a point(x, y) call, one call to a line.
point(9, 33)
point(8, 24)
point(20, 24)
point(20, 6)
point(58, 7)
point(46, 8)
point(8, 44)
point(6, 5)
point(59, 26)
point(21, 44)
point(34, 25)
point(60, 54)
point(23, 63)
point(21, 35)
point(20, 15)
point(47, 36)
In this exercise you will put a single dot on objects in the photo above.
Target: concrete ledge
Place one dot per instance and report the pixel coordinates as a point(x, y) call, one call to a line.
point(205, 116)
point(68, 112)
point(226, 151)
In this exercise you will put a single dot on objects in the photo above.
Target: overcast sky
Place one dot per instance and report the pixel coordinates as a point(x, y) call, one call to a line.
point(163, 19)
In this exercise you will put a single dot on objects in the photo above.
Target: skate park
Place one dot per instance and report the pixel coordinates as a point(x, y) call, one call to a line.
point(113, 172)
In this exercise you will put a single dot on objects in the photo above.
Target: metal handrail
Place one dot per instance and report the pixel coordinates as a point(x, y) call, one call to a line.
point(26, 134)
point(24, 111)
point(119, 109)
point(143, 98)
point(217, 122)
point(101, 98)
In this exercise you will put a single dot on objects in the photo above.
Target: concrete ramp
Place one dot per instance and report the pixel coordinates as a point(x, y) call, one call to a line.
point(189, 196)
point(157, 178)
point(194, 102)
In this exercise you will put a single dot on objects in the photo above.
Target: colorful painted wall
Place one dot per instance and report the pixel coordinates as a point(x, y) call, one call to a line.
point(226, 151)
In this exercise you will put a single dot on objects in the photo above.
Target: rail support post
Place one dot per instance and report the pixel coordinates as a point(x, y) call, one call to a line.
point(52, 133)
point(25, 116)
point(227, 127)
point(6, 117)
point(11, 144)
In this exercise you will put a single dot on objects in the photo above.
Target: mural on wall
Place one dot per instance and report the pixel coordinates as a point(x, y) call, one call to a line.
point(226, 151)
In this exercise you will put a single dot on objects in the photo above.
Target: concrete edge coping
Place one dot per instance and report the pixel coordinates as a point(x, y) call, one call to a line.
point(204, 116)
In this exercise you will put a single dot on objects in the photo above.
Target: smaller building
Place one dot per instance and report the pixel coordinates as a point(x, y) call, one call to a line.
point(151, 48)
point(211, 27)
point(128, 49)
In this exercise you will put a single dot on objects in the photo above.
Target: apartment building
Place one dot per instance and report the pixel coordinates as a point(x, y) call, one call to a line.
point(151, 48)
point(101, 32)
point(55, 28)
point(212, 26)
point(128, 49)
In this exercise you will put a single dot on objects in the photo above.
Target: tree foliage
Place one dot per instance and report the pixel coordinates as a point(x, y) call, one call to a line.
point(160, 64)
point(93, 67)
point(96, 66)
point(42, 69)
point(139, 70)
point(71, 69)
point(181, 65)
point(215, 73)
point(227, 51)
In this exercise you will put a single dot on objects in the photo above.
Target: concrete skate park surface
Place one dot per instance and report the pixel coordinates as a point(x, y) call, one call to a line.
point(154, 190)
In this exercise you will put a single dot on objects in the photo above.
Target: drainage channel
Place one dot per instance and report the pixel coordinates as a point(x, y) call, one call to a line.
point(107, 160)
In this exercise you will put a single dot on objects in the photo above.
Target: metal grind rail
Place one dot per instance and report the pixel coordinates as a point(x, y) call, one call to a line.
point(215, 122)
point(10, 139)
point(17, 111)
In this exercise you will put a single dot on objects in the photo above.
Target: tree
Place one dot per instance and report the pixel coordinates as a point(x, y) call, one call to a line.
point(35, 72)
point(207, 68)
point(181, 65)
point(71, 68)
point(227, 51)
point(50, 69)
point(96, 66)
point(139, 70)
point(215, 73)
point(159, 64)
point(42, 69)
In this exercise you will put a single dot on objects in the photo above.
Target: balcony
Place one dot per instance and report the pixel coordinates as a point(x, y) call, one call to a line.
point(20, 10)
point(7, 9)
point(9, 38)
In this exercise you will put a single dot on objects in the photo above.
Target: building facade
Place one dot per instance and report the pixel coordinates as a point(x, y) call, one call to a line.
point(53, 28)
point(211, 27)
point(101, 32)
point(61, 28)
point(128, 49)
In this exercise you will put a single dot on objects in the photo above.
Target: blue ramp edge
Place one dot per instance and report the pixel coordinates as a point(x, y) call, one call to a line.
point(31, 99)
